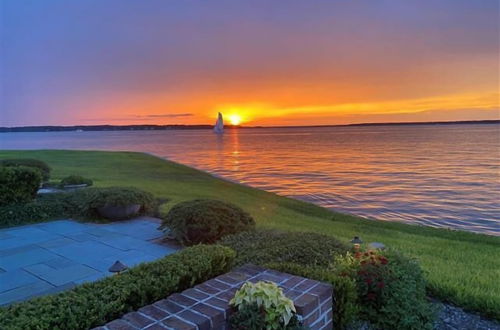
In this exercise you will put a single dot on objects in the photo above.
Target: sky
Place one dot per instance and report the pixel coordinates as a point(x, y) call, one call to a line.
point(269, 63)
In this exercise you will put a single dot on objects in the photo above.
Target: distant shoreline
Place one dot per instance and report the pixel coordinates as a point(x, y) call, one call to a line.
point(146, 127)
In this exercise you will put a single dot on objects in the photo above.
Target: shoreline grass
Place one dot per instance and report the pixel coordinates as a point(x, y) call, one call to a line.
point(462, 268)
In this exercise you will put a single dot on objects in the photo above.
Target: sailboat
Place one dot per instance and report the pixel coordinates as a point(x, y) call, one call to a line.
point(219, 125)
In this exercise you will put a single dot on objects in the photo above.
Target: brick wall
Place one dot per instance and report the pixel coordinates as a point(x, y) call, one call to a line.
point(206, 306)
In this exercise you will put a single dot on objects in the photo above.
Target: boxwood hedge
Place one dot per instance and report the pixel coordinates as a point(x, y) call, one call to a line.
point(18, 184)
point(93, 304)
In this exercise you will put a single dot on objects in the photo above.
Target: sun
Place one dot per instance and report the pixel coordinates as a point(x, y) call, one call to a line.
point(235, 119)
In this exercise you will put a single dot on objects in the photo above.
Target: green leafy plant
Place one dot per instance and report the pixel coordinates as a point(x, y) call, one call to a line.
point(93, 304)
point(253, 317)
point(205, 221)
point(264, 246)
point(278, 310)
point(391, 289)
point(18, 184)
point(75, 180)
point(28, 162)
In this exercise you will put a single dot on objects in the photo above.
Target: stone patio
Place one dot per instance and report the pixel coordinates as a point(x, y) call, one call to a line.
point(53, 256)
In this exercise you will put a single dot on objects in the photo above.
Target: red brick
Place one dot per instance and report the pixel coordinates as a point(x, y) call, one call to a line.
point(181, 300)
point(323, 291)
point(154, 312)
point(328, 326)
point(326, 305)
point(168, 306)
point(137, 319)
point(292, 281)
point(305, 304)
point(217, 284)
point(195, 294)
point(306, 285)
point(215, 315)
point(157, 326)
point(311, 318)
point(207, 289)
point(250, 269)
point(203, 322)
point(176, 323)
point(219, 303)
point(119, 325)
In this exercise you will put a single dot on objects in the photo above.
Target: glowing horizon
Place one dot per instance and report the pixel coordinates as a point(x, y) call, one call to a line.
point(120, 62)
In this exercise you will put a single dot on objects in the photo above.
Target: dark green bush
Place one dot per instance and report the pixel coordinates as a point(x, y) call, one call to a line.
point(263, 246)
point(85, 202)
point(79, 204)
point(43, 208)
point(93, 304)
point(253, 317)
point(75, 180)
point(205, 221)
point(18, 184)
point(344, 298)
point(390, 289)
point(28, 162)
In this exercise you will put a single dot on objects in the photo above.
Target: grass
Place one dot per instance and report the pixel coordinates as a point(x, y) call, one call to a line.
point(462, 268)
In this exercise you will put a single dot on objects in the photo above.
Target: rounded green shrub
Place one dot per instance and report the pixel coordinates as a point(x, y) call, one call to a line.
point(18, 184)
point(28, 162)
point(264, 246)
point(390, 287)
point(76, 180)
point(205, 221)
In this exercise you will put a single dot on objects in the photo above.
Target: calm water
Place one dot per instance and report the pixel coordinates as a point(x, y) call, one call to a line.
point(441, 176)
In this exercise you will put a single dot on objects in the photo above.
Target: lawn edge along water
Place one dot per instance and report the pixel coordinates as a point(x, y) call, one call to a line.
point(462, 268)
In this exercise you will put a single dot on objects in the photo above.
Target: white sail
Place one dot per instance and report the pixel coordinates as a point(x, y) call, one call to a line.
point(219, 125)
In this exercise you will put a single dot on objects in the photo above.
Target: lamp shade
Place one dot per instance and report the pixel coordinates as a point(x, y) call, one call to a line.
point(117, 267)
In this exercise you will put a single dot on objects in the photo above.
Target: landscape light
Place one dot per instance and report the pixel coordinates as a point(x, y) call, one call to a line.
point(357, 242)
point(117, 267)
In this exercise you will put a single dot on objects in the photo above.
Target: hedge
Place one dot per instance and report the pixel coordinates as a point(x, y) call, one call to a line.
point(93, 304)
point(18, 184)
point(28, 162)
point(262, 246)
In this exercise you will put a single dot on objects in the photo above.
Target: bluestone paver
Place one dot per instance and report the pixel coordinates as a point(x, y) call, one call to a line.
point(54, 256)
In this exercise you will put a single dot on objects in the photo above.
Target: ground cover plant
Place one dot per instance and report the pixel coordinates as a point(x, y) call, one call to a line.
point(205, 221)
point(458, 265)
point(93, 304)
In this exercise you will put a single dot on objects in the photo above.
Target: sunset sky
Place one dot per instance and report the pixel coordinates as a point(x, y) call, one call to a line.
point(270, 62)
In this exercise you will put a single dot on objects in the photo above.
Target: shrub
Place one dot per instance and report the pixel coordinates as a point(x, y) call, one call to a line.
point(276, 308)
point(18, 184)
point(205, 221)
point(85, 202)
point(44, 207)
point(28, 162)
point(76, 180)
point(391, 289)
point(76, 204)
point(93, 304)
point(264, 246)
point(344, 298)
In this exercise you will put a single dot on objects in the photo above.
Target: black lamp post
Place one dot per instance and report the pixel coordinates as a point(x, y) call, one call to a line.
point(117, 267)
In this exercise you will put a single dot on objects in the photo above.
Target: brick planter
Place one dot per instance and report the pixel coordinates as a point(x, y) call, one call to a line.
point(206, 306)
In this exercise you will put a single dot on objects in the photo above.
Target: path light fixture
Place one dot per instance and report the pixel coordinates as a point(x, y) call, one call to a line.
point(117, 267)
point(356, 241)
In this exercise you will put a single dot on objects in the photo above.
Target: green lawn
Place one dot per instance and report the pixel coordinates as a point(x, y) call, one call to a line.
point(462, 268)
